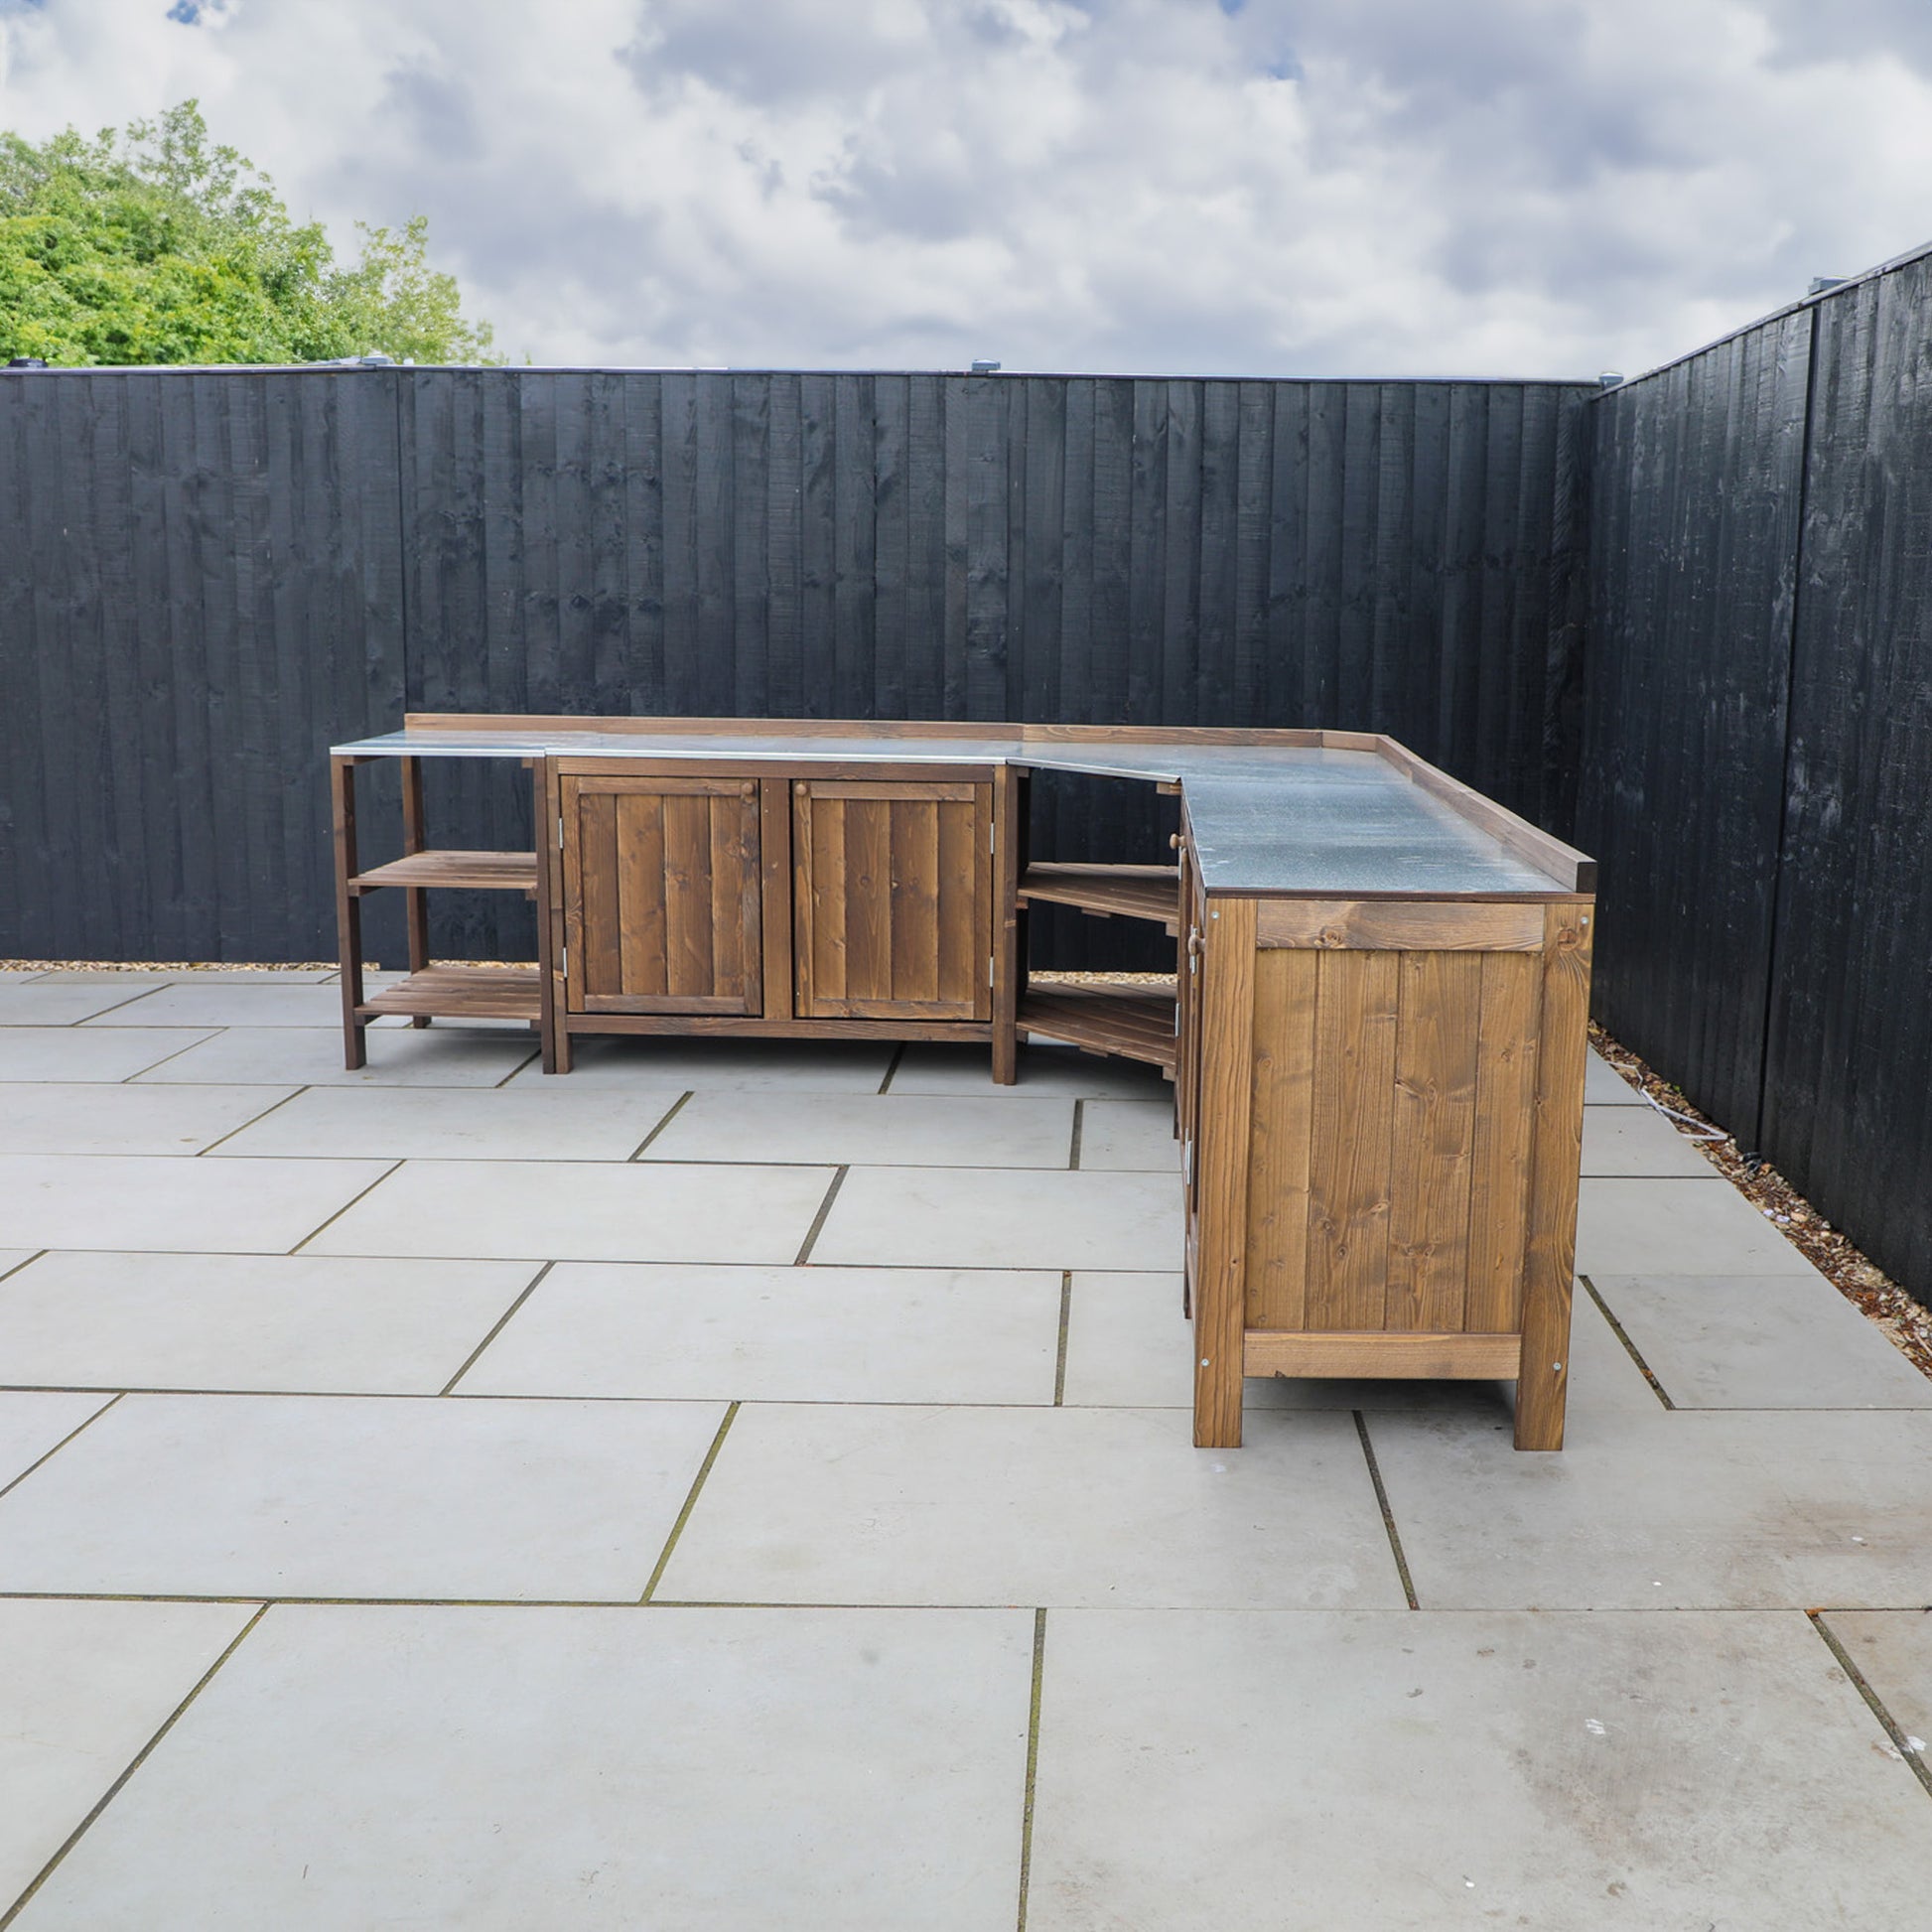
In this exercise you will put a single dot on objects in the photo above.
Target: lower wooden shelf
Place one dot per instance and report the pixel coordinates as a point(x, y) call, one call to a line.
point(1131, 1023)
point(463, 992)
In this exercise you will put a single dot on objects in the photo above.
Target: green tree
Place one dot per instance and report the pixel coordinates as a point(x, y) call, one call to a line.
point(156, 245)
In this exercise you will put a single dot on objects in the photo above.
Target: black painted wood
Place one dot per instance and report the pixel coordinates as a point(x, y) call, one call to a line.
point(212, 573)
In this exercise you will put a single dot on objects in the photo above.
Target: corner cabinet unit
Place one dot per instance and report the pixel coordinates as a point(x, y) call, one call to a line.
point(1376, 1028)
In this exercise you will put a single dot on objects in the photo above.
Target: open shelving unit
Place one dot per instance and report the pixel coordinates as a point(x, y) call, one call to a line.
point(1130, 1021)
point(448, 989)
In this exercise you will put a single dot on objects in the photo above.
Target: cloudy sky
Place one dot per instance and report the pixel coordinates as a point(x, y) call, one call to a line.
point(1268, 186)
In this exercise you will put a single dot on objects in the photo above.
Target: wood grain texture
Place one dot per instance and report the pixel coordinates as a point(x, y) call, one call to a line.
point(1222, 1155)
point(1448, 1356)
point(1281, 1140)
point(1499, 1176)
point(1439, 1006)
point(1396, 925)
point(1350, 1163)
point(1562, 1063)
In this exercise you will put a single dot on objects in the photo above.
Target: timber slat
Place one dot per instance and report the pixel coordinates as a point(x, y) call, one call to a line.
point(463, 993)
point(488, 872)
point(1137, 1026)
point(1108, 892)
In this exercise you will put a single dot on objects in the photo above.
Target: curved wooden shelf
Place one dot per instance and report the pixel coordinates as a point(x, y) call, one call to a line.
point(1131, 1023)
point(1107, 891)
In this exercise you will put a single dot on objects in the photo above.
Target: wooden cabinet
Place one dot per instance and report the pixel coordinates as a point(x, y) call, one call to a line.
point(893, 899)
point(662, 894)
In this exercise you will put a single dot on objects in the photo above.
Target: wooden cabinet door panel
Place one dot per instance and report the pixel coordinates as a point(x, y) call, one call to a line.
point(891, 910)
point(662, 894)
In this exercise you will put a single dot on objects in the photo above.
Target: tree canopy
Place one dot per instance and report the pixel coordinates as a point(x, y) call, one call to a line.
point(156, 245)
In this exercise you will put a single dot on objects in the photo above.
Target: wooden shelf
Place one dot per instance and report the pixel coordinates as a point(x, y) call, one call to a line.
point(1131, 1023)
point(463, 992)
point(1108, 892)
point(489, 872)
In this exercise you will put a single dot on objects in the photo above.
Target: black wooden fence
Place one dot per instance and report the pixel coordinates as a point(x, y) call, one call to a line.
point(1758, 775)
point(206, 577)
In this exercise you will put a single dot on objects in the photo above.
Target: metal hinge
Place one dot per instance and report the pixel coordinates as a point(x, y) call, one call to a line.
point(992, 838)
point(989, 972)
point(560, 832)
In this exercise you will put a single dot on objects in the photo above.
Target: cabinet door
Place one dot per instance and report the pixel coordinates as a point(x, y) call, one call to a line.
point(662, 894)
point(892, 904)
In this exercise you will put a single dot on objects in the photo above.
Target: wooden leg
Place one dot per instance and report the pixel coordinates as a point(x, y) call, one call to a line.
point(1556, 1155)
point(348, 909)
point(1226, 1046)
point(1009, 921)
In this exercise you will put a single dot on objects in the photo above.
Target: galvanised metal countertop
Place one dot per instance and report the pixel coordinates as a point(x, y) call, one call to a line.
point(1304, 819)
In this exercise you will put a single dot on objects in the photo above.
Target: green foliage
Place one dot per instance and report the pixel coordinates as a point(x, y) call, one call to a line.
point(157, 246)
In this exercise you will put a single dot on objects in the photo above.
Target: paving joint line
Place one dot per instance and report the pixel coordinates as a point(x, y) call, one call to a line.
point(534, 1053)
point(804, 1255)
point(140, 1073)
point(246, 1124)
point(1073, 1151)
point(53, 1452)
point(496, 1328)
point(1913, 1760)
point(140, 1757)
point(1032, 1766)
point(359, 1195)
point(6, 1273)
point(684, 1514)
point(1629, 1347)
point(891, 1066)
point(1060, 1359)
point(1388, 1514)
point(676, 1106)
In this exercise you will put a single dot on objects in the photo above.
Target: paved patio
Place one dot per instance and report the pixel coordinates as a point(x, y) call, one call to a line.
point(745, 1486)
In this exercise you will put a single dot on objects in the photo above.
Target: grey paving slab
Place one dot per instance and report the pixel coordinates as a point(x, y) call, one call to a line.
point(549, 1122)
point(991, 1217)
point(303, 1057)
point(935, 1067)
point(728, 1066)
point(89, 1053)
point(1760, 1341)
point(194, 976)
point(244, 1495)
point(124, 1200)
point(1129, 1346)
point(1892, 1651)
point(847, 1504)
point(776, 1334)
point(1677, 1228)
point(48, 1117)
point(1604, 1087)
point(1639, 1141)
point(877, 1129)
point(20, 975)
point(1135, 1135)
point(262, 1322)
point(502, 1771)
point(34, 1422)
point(581, 1210)
point(230, 1003)
point(1692, 1510)
point(41, 1003)
point(1308, 1772)
point(84, 1687)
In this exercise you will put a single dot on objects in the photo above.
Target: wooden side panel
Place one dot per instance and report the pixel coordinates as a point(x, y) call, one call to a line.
point(1350, 1158)
point(892, 908)
point(1384, 925)
point(661, 892)
point(1280, 1138)
point(1544, 1381)
point(1438, 1001)
point(1499, 1180)
point(1221, 1153)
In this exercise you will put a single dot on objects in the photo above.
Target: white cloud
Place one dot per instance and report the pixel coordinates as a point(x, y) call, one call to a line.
point(1369, 186)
